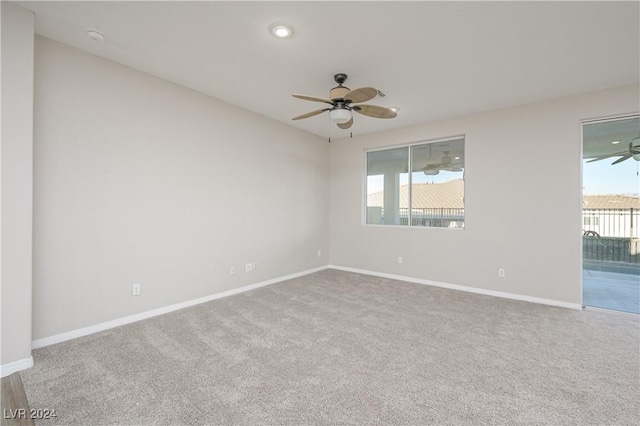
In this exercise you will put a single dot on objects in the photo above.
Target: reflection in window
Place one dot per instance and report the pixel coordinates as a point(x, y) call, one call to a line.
point(431, 196)
point(386, 176)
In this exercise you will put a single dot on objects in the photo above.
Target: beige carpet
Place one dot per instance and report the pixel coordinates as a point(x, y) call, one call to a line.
point(342, 348)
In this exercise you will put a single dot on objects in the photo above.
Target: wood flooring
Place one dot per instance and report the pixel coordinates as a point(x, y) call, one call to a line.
point(15, 409)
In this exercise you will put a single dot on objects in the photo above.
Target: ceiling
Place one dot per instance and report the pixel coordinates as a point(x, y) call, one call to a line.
point(433, 60)
point(611, 137)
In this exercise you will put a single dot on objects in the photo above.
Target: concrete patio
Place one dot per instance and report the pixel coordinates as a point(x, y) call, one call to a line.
point(611, 289)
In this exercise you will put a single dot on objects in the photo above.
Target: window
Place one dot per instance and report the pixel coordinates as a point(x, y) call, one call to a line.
point(432, 195)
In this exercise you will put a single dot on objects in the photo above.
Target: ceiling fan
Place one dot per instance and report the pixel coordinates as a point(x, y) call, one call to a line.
point(633, 151)
point(446, 163)
point(343, 100)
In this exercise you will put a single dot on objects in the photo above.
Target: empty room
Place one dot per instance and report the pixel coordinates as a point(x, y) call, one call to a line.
point(333, 212)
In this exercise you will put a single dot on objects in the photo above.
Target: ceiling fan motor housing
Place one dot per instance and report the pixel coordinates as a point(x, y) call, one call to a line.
point(339, 91)
point(634, 148)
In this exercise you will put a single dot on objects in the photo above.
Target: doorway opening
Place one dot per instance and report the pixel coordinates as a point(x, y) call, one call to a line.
point(611, 214)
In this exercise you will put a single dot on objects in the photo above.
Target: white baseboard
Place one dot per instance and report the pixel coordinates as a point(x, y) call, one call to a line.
point(610, 311)
point(62, 337)
point(513, 296)
point(11, 367)
point(46, 341)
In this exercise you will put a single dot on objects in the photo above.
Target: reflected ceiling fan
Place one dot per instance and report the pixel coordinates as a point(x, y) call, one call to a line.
point(343, 100)
point(446, 163)
point(633, 151)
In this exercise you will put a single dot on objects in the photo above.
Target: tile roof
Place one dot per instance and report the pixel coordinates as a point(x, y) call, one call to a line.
point(427, 195)
point(610, 202)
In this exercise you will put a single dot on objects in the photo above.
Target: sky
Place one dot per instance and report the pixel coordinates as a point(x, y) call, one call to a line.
point(600, 177)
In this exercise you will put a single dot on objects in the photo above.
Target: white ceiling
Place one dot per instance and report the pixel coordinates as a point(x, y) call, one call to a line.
point(609, 137)
point(433, 60)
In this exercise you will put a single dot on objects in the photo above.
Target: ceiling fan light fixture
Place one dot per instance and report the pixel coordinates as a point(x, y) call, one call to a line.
point(281, 30)
point(431, 172)
point(340, 115)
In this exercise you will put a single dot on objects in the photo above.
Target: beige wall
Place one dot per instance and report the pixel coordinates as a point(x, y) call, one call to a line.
point(17, 181)
point(522, 194)
point(138, 180)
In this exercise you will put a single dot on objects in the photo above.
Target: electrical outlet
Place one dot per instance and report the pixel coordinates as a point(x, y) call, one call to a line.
point(248, 267)
point(255, 266)
point(319, 253)
point(501, 273)
point(135, 289)
point(400, 259)
point(232, 270)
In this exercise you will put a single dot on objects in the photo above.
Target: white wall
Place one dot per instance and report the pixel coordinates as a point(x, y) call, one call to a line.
point(522, 199)
point(138, 180)
point(17, 184)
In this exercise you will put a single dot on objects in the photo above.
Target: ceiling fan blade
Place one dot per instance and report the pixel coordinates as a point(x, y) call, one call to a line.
point(604, 157)
point(347, 124)
point(374, 111)
point(453, 168)
point(623, 158)
point(362, 94)
point(312, 98)
point(434, 166)
point(311, 114)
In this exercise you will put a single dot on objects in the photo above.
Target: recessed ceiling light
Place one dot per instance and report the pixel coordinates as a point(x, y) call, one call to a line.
point(394, 109)
point(456, 158)
point(95, 35)
point(615, 142)
point(281, 30)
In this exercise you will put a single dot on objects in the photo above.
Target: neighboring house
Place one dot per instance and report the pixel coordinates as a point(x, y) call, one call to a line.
point(611, 215)
point(434, 204)
point(442, 204)
point(427, 195)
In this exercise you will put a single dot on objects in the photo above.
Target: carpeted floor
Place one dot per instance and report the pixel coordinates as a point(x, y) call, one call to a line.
point(342, 348)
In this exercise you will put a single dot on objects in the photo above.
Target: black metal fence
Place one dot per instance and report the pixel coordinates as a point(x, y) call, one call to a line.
point(618, 223)
point(440, 217)
point(611, 235)
point(611, 249)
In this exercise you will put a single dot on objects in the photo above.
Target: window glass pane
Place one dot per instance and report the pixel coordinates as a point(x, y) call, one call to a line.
point(387, 186)
point(610, 214)
point(437, 184)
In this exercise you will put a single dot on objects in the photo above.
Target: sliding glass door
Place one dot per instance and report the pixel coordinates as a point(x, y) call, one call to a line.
point(611, 214)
